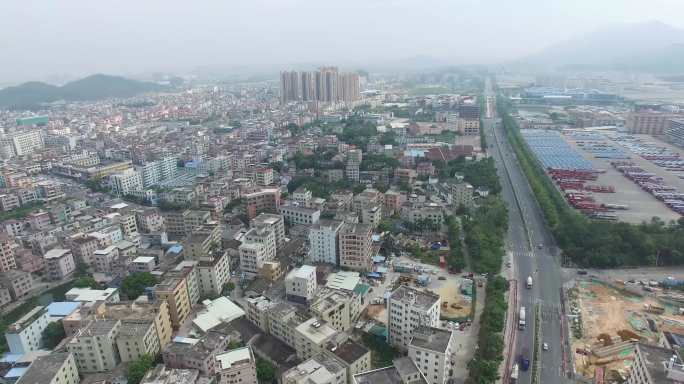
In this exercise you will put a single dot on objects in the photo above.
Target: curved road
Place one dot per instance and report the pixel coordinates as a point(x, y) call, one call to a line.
point(532, 250)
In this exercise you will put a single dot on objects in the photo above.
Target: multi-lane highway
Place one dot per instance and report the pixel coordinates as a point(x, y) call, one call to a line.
point(532, 252)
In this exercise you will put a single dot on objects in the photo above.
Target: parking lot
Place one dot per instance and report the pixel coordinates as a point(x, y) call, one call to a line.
point(642, 206)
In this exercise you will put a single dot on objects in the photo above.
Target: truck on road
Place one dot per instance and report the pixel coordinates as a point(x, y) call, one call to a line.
point(514, 374)
point(529, 282)
point(521, 319)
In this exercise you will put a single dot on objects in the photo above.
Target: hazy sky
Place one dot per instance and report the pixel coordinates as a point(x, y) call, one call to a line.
point(47, 39)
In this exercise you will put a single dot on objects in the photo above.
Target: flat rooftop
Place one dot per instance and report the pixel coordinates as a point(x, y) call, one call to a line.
point(316, 330)
point(420, 299)
point(43, 369)
point(230, 358)
point(430, 338)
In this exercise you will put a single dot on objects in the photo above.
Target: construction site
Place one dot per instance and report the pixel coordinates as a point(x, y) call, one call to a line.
point(606, 318)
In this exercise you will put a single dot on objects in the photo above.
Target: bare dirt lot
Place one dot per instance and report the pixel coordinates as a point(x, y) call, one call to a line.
point(610, 315)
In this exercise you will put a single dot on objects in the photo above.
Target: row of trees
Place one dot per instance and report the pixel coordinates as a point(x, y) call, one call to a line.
point(456, 258)
point(591, 243)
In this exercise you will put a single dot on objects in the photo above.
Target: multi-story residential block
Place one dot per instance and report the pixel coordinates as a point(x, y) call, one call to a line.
point(200, 355)
point(23, 142)
point(371, 215)
point(125, 182)
point(189, 270)
point(655, 365)
point(674, 132)
point(353, 356)
point(407, 310)
point(302, 197)
point(320, 369)
point(9, 202)
point(94, 346)
point(275, 222)
point(294, 215)
point(25, 334)
point(18, 283)
point(339, 308)
point(202, 242)
point(462, 195)
point(405, 175)
point(5, 296)
point(355, 247)
point(393, 202)
point(161, 374)
point(214, 273)
point(143, 311)
point(263, 176)
point(300, 284)
point(137, 338)
point(59, 263)
point(83, 248)
point(7, 261)
point(105, 259)
point(258, 246)
point(264, 200)
point(423, 213)
point(149, 220)
point(283, 319)
point(237, 366)
point(312, 336)
point(175, 291)
point(257, 311)
point(142, 264)
point(431, 350)
point(55, 368)
point(402, 371)
point(324, 241)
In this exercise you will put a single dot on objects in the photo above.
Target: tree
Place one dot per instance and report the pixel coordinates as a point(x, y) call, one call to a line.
point(138, 369)
point(53, 334)
point(135, 284)
point(86, 282)
point(265, 371)
point(228, 288)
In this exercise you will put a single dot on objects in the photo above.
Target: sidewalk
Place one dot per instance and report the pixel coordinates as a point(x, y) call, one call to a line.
point(466, 342)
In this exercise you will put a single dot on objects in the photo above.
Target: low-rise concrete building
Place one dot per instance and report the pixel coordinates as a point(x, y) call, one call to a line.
point(431, 350)
point(320, 369)
point(312, 336)
point(59, 263)
point(236, 366)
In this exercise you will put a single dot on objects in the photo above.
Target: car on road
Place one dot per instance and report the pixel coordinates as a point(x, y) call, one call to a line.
point(581, 272)
point(540, 246)
point(441, 278)
point(545, 346)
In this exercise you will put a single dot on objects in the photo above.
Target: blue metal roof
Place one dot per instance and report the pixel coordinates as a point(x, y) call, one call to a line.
point(62, 308)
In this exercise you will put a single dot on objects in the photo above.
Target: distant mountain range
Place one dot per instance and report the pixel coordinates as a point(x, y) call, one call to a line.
point(643, 47)
point(95, 87)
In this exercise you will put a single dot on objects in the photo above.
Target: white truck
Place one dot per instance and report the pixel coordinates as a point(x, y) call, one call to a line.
point(514, 374)
point(521, 319)
point(529, 282)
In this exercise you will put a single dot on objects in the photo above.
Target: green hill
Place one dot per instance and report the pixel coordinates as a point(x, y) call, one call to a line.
point(95, 87)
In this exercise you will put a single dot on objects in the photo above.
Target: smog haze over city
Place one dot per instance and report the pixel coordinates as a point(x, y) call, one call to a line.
point(342, 192)
point(77, 38)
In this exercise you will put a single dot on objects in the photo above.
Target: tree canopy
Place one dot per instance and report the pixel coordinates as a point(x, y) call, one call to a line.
point(134, 285)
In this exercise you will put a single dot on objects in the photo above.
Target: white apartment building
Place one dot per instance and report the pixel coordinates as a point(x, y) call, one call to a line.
point(283, 320)
point(23, 142)
point(312, 336)
point(294, 215)
point(59, 263)
point(655, 365)
point(214, 273)
point(125, 182)
point(252, 257)
point(462, 194)
point(257, 311)
point(408, 309)
point(236, 366)
point(90, 295)
point(431, 350)
point(324, 242)
point(320, 369)
point(275, 222)
point(25, 335)
point(302, 197)
point(55, 368)
point(155, 172)
point(300, 284)
point(105, 258)
point(94, 346)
